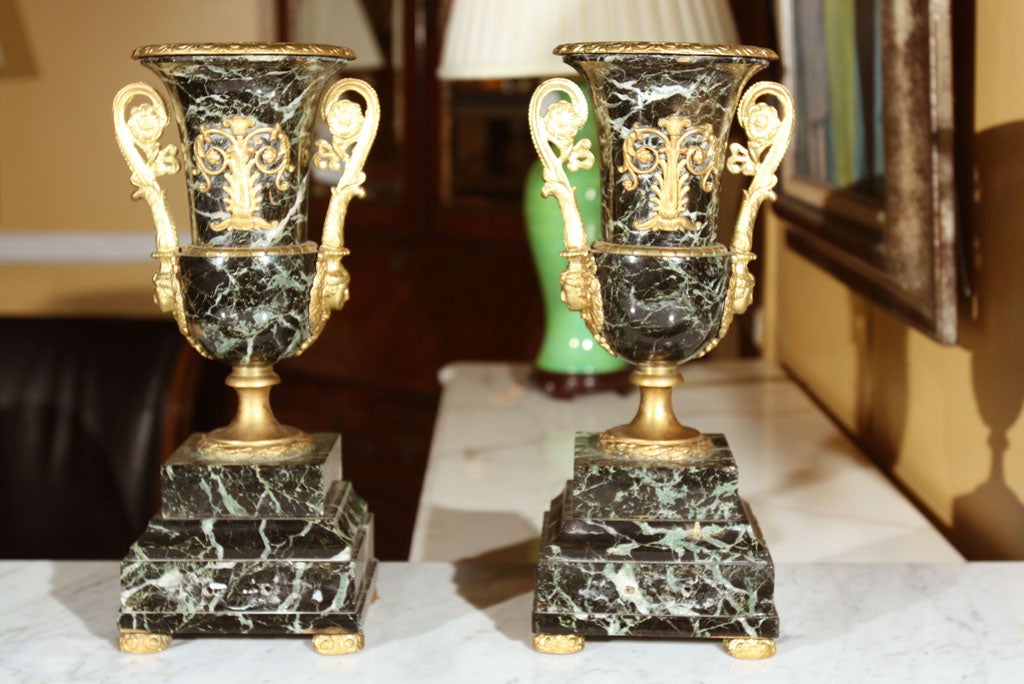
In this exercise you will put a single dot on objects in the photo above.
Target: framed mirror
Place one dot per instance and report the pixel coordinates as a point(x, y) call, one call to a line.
point(869, 184)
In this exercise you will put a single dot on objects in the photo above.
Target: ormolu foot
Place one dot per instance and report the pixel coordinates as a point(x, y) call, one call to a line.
point(558, 644)
point(749, 648)
point(141, 641)
point(337, 643)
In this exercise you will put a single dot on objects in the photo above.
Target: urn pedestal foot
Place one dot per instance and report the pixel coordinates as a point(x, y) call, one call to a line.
point(558, 644)
point(338, 644)
point(254, 434)
point(253, 548)
point(141, 641)
point(749, 648)
point(642, 547)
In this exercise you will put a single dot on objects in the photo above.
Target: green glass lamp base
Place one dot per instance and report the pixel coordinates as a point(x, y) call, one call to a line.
point(569, 361)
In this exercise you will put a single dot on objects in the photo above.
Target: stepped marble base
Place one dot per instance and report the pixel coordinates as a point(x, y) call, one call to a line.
point(262, 549)
point(644, 548)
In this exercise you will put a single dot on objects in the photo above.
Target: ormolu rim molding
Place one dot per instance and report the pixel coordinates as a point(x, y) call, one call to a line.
point(229, 252)
point(658, 252)
point(282, 49)
point(664, 48)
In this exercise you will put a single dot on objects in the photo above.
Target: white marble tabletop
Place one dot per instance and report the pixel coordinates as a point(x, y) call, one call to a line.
point(502, 449)
point(470, 622)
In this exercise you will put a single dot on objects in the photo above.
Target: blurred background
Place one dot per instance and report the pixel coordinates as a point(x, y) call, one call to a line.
point(96, 387)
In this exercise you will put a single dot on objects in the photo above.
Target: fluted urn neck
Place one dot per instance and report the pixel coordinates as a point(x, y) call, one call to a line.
point(246, 113)
point(663, 113)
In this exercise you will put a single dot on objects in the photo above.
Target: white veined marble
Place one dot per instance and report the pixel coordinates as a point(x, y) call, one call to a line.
point(502, 450)
point(438, 622)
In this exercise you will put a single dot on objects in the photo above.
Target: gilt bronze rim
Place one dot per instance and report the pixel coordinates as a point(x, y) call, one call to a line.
point(664, 48)
point(658, 252)
point(212, 251)
point(243, 49)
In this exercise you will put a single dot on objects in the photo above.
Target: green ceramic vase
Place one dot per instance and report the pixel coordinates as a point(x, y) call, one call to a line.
point(567, 347)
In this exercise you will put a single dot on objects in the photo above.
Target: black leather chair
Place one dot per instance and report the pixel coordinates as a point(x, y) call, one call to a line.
point(87, 411)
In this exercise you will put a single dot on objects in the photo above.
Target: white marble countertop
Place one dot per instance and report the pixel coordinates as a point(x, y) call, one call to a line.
point(439, 622)
point(502, 450)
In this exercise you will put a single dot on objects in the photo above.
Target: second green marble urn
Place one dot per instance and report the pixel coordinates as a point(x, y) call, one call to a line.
point(650, 537)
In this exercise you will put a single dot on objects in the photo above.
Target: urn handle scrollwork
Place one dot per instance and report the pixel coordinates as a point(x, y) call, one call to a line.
point(768, 132)
point(138, 132)
point(554, 133)
point(248, 156)
point(353, 129)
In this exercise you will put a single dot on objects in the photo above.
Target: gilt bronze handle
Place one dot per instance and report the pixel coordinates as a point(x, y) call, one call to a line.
point(353, 129)
point(138, 132)
point(555, 129)
point(768, 136)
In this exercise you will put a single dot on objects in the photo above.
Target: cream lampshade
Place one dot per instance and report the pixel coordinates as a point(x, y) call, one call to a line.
point(338, 22)
point(487, 39)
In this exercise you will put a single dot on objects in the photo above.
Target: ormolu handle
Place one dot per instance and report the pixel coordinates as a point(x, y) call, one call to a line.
point(138, 133)
point(353, 130)
point(556, 127)
point(768, 136)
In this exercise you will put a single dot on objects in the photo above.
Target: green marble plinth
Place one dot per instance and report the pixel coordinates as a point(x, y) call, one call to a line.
point(252, 549)
point(648, 548)
point(194, 486)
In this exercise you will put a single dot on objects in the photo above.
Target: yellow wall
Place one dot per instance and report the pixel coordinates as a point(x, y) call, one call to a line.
point(945, 421)
point(60, 169)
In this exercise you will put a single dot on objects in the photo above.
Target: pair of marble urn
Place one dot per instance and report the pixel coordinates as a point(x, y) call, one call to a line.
point(259, 534)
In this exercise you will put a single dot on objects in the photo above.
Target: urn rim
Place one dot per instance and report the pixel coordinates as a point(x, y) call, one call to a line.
point(243, 49)
point(664, 48)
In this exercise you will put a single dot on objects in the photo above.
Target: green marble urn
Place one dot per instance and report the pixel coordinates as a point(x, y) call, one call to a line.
point(257, 533)
point(250, 289)
point(650, 537)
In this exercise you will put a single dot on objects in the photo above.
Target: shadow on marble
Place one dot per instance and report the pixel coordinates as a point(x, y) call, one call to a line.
point(502, 591)
point(521, 374)
point(90, 590)
point(451, 528)
point(841, 452)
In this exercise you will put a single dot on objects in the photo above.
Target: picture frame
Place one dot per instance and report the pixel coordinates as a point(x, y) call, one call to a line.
point(869, 187)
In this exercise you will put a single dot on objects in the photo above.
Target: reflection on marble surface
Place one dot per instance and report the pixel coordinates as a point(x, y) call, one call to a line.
point(438, 622)
point(502, 450)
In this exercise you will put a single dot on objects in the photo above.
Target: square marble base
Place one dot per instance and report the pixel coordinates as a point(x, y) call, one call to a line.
point(648, 548)
point(252, 549)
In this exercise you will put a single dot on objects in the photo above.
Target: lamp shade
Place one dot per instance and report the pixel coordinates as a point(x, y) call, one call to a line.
point(505, 39)
point(338, 22)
